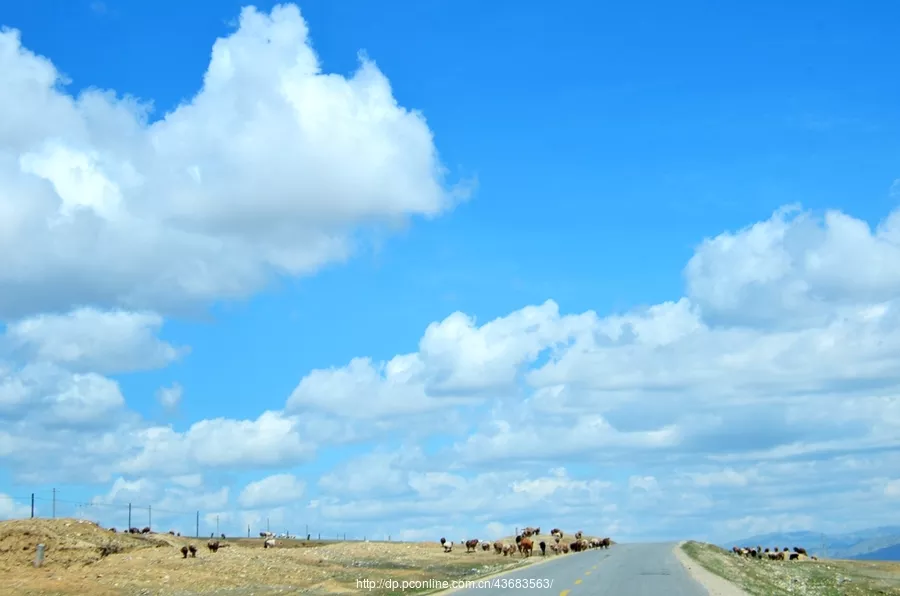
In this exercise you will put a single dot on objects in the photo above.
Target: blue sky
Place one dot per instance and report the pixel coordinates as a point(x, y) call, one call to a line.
point(630, 164)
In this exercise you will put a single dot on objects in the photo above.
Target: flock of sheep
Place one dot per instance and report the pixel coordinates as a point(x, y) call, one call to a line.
point(525, 545)
point(774, 554)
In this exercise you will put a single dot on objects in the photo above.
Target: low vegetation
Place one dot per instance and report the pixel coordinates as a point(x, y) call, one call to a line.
point(762, 577)
point(83, 558)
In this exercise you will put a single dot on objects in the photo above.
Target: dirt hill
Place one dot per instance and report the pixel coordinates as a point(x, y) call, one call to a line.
point(67, 542)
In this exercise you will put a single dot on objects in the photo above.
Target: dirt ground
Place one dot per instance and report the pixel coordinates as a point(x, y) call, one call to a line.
point(82, 558)
point(826, 577)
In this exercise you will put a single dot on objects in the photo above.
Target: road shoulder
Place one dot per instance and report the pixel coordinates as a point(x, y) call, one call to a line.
point(715, 585)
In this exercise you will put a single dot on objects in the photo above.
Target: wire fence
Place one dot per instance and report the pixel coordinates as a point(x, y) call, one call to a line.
point(124, 516)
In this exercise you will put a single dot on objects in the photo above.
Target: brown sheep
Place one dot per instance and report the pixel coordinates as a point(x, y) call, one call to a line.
point(471, 545)
point(508, 550)
point(543, 546)
point(498, 547)
point(537, 531)
point(146, 530)
point(564, 548)
point(578, 535)
point(213, 545)
point(800, 550)
point(606, 542)
point(575, 547)
point(485, 546)
point(526, 546)
point(184, 552)
point(193, 550)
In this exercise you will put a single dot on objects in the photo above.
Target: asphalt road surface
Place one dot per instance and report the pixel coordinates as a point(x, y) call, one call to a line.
point(623, 569)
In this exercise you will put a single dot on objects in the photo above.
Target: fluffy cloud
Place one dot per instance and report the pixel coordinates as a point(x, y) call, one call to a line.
point(87, 339)
point(272, 491)
point(267, 170)
point(9, 509)
point(772, 381)
point(109, 216)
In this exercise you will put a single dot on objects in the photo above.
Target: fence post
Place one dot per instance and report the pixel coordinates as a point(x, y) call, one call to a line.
point(129, 517)
point(32, 505)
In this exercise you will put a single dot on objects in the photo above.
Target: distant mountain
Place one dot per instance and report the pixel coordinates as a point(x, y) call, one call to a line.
point(835, 546)
point(889, 553)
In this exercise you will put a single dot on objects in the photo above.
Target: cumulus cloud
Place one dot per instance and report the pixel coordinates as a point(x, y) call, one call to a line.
point(272, 491)
point(267, 170)
point(10, 509)
point(271, 440)
point(774, 379)
point(87, 339)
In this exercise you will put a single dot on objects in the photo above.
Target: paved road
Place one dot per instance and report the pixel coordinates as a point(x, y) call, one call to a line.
point(624, 569)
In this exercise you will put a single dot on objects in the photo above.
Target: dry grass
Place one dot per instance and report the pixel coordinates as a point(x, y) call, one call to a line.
point(82, 558)
point(813, 578)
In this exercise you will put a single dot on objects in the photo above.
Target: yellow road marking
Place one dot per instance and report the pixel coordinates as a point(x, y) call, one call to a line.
point(594, 567)
point(577, 581)
point(565, 593)
point(587, 572)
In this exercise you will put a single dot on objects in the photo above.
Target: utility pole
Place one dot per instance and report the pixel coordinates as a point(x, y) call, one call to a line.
point(32, 505)
point(129, 516)
point(248, 530)
point(149, 516)
point(267, 525)
point(198, 525)
point(54, 503)
point(217, 525)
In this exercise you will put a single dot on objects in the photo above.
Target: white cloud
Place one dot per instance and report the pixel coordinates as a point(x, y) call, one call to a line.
point(267, 169)
point(892, 489)
point(170, 397)
point(58, 398)
point(771, 359)
point(271, 440)
point(278, 489)
point(86, 339)
point(10, 509)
